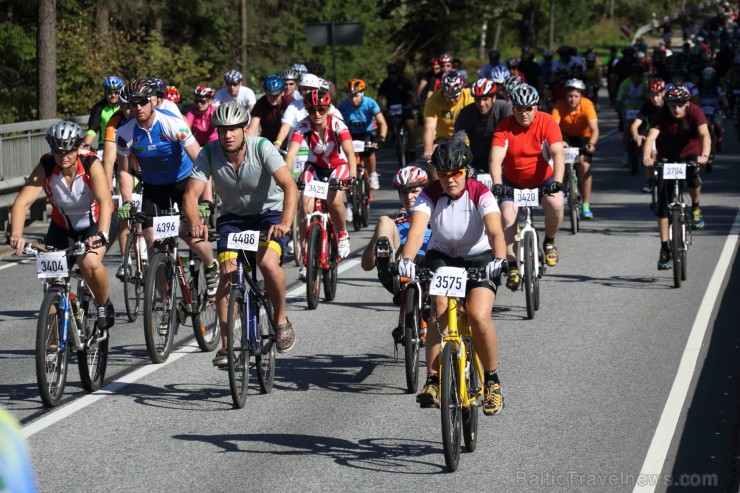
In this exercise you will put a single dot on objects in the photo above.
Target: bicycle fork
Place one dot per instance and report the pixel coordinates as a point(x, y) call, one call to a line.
point(456, 317)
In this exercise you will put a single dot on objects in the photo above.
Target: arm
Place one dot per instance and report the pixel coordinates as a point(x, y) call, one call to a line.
point(495, 232)
point(415, 238)
point(193, 191)
point(647, 147)
point(495, 164)
point(282, 134)
point(706, 144)
point(382, 124)
point(254, 126)
point(109, 160)
point(350, 152)
point(593, 125)
point(23, 201)
point(558, 161)
point(430, 130)
point(285, 181)
point(125, 180)
point(192, 150)
point(101, 191)
point(293, 148)
point(635, 131)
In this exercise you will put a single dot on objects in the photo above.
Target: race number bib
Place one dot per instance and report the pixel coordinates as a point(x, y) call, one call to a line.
point(166, 227)
point(526, 197)
point(136, 200)
point(631, 114)
point(300, 161)
point(571, 154)
point(246, 240)
point(396, 109)
point(485, 179)
point(449, 281)
point(316, 188)
point(358, 145)
point(51, 264)
point(674, 171)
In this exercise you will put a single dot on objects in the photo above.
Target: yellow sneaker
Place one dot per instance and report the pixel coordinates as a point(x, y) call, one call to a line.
point(514, 280)
point(429, 395)
point(493, 401)
point(551, 254)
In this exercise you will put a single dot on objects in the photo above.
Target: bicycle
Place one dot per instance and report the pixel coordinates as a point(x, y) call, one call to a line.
point(531, 265)
point(679, 217)
point(135, 261)
point(250, 323)
point(400, 137)
point(321, 251)
point(298, 164)
point(162, 312)
point(411, 330)
point(460, 368)
point(570, 185)
point(54, 337)
point(360, 192)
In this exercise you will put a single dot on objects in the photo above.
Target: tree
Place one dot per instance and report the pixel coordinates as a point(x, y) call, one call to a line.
point(47, 59)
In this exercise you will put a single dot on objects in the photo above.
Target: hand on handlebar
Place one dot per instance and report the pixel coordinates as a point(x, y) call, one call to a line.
point(278, 231)
point(498, 190)
point(406, 268)
point(199, 232)
point(495, 267)
point(17, 243)
point(552, 188)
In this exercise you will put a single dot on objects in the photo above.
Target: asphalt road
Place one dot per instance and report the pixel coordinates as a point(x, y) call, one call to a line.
point(586, 382)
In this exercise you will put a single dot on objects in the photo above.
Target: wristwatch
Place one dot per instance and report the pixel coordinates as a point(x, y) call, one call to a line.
point(103, 237)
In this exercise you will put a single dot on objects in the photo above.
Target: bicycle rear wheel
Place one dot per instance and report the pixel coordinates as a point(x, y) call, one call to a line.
point(412, 341)
point(205, 318)
point(160, 313)
point(365, 201)
point(266, 360)
point(357, 201)
point(237, 351)
point(401, 141)
point(451, 409)
point(470, 414)
point(297, 246)
point(313, 271)
point(529, 277)
point(93, 360)
point(676, 246)
point(573, 201)
point(330, 275)
point(51, 361)
point(133, 285)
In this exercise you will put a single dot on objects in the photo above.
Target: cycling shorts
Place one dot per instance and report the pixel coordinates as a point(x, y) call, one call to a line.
point(366, 137)
point(61, 238)
point(157, 198)
point(509, 183)
point(311, 172)
point(434, 260)
point(578, 142)
point(231, 223)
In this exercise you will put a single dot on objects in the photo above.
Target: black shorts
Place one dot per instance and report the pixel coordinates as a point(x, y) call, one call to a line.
point(61, 238)
point(157, 198)
point(366, 137)
point(578, 142)
point(434, 260)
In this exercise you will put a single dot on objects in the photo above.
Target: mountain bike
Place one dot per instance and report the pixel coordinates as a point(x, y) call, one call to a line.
point(460, 368)
point(320, 255)
point(163, 312)
point(135, 261)
point(570, 185)
point(67, 320)
point(400, 137)
point(360, 193)
point(679, 214)
point(250, 323)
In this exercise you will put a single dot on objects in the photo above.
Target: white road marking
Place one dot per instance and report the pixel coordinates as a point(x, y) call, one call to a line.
point(653, 465)
point(13, 264)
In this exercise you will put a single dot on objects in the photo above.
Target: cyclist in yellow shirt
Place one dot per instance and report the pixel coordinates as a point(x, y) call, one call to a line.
point(579, 125)
point(441, 111)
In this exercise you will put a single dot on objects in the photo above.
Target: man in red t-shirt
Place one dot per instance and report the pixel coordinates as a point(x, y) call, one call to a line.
point(518, 160)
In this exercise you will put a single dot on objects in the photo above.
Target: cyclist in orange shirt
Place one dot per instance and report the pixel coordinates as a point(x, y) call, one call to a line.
point(580, 128)
point(518, 160)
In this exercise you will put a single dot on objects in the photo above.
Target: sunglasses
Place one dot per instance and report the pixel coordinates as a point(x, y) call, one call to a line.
point(455, 174)
point(62, 152)
point(201, 101)
point(321, 110)
point(677, 105)
point(112, 91)
point(234, 85)
point(524, 109)
point(138, 102)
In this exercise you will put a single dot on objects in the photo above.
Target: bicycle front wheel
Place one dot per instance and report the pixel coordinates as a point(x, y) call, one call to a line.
point(330, 274)
point(365, 201)
point(412, 341)
point(573, 205)
point(357, 201)
point(530, 250)
point(133, 282)
point(205, 318)
point(93, 360)
point(451, 408)
point(676, 246)
point(160, 314)
point(266, 359)
point(236, 349)
point(313, 271)
point(297, 246)
point(470, 414)
point(51, 361)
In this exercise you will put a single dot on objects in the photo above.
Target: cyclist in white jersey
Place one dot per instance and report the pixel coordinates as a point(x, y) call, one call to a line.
point(235, 91)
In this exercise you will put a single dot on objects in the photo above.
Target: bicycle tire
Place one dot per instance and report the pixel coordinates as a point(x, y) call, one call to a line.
point(158, 341)
point(401, 145)
point(297, 245)
point(237, 352)
point(313, 271)
point(93, 360)
point(412, 340)
point(133, 284)
point(470, 414)
point(329, 276)
point(451, 409)
point(265, 361)
point(51, 364)
point(573, 201)
point(634, 157)
point(205, 319)
point(356, 201)
point(529, 276)
point(676, 246)
point(365, 201)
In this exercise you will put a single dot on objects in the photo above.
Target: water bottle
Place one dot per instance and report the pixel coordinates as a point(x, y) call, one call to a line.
point(186, 266)
point(142, 247)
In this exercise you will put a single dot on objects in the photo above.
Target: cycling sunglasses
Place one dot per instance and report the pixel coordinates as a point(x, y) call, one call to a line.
point(455, 174)
point(321, 110)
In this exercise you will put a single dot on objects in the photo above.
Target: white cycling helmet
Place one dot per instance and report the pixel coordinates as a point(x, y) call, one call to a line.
point(499, 74)
point(575, 84)
point(525, 95)
point(310, 81)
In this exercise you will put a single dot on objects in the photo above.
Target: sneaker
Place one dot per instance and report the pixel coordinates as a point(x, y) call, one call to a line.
point(121, 273)
point(429, 395)
point(398, 337)
point(514, 279)
point(343, 248)
point(348, 215)
point(289, 250)
point(221, 359)
point(383, 256)
point(493, 401)
point(697, 221)
point(106, 315)
point(211, 274)
point(374, 182)
point(551, 254)
point(647, 187)
point(664, 262)
point(586, 212)
point(302, 274)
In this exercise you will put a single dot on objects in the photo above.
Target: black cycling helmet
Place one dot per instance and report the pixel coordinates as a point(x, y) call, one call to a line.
point(317, 68)
point(452, 155)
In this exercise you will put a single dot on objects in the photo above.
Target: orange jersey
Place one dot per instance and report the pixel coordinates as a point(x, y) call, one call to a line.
point(526, 164)
point(574, 123)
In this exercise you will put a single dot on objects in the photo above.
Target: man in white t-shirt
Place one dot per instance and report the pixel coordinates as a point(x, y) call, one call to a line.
point(235, 91)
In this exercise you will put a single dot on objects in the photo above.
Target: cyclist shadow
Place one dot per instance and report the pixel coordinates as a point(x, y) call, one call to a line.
point(21, 396)
point(181, 396)
point(626, 282)
point(392, 455)
point(6, 315)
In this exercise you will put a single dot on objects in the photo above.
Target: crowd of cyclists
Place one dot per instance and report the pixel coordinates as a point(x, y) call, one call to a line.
point(505, 127)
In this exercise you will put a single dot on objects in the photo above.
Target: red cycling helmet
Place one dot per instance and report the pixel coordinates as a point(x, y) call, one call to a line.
point(316, 97)
point(204, 92)
point(678, 94)
point(655, 85)
point(484, 87)
point(445, 58)
point(173, 94)
point(410, 177)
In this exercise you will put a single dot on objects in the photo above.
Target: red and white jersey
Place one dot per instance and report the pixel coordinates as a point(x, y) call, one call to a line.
point(457, 223)
point(326, 153)
point(73, 206)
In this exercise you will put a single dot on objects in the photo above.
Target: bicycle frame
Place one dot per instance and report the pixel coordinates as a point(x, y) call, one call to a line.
point(320, 217)
point(247, 285)
point(677, 202)
point(170, 246)
point(525, 214)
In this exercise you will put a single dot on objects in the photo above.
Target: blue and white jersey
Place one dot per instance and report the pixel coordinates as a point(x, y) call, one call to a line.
point(160, 149)
point(359, 119)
